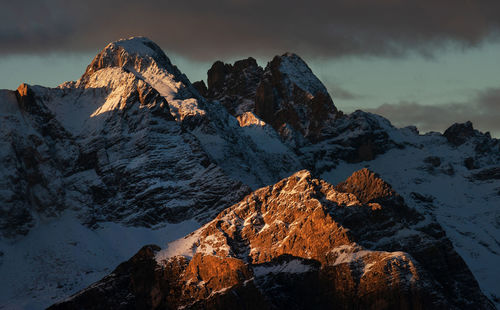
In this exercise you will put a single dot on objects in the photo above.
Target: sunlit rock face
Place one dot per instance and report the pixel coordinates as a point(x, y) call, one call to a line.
point(302, 244)
point(138, 53)
point(367, 186)
point(249, 119)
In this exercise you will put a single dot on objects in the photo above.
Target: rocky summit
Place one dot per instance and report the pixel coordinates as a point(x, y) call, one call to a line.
point(298, 244)
point(256, 189)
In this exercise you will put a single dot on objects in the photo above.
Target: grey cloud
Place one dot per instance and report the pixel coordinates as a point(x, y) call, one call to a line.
point(338, 92)
point(483, 110)
point(213, 29)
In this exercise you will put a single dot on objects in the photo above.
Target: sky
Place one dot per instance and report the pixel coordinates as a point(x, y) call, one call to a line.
point(424, 63)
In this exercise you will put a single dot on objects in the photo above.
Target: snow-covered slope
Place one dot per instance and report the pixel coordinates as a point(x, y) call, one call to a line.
point(61, 256)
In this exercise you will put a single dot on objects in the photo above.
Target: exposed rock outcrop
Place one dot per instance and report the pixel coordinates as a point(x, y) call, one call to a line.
point(286, 94)
point(137, 53)
point(234, 85)
point(291, 95)
point(457, 133)
point(367, 187)
point(460, 133)
point(302, 244)
point(487, 174)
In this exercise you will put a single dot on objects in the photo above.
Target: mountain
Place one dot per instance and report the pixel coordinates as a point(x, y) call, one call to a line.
point(108, 148)
point(125, 147)
point(299, 244)
point(133, 153)
point(286, 95)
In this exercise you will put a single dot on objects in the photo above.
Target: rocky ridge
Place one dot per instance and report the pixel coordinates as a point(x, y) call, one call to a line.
point(299, 244)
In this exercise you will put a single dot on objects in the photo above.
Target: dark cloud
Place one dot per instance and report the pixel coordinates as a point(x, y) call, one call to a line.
point(213, 29)
point(338, 92)
point(483, 110)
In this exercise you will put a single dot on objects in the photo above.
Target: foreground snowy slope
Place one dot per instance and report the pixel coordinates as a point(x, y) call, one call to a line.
point(61, 256)
point(133, 153)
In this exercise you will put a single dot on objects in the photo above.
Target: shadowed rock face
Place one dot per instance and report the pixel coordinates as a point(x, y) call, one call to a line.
point(298, 244)
point(457, 134)
point(487, 174)
point(109, 147)
point(461, 133)
point(32, 164)
point(286, 94)
point(234, 85)
point(290, 94)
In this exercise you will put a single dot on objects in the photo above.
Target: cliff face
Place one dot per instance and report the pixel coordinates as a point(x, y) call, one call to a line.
point(285, 94)
point(299, 244)
point(290, 95)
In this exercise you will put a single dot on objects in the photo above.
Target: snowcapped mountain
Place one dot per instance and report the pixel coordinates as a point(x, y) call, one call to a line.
point(133, 153)
point(95, 148)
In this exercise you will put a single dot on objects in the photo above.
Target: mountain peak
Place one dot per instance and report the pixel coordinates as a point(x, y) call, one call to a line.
point(290, 95)
point(141, 46)
point(297, 72)
point(136, 53)
point(367, 186)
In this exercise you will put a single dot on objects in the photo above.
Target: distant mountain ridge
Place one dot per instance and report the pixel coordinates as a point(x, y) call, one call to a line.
point(134, 145)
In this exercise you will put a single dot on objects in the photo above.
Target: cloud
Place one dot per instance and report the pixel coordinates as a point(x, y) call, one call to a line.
point(483, 110)
point(338, 92)
point(222, 28)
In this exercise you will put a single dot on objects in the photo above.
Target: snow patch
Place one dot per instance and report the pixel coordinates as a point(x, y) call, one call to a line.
point(61, 256)
point(182, 247)
point(297, 72)
point(136, 46)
